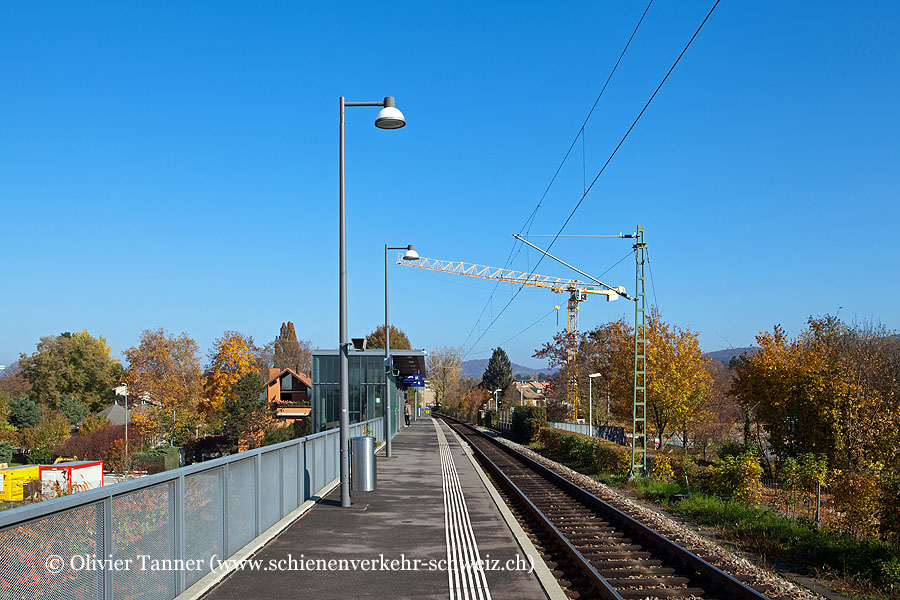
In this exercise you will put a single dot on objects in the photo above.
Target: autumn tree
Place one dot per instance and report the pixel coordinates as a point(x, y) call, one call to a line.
point(399, 341)
point(77, 364)
point(290, 353)
point(444, 371)
point(677, 382)
point(165, 369)
point(12, 384)
point(606, 349)
point(232, 356)
point(46, 435)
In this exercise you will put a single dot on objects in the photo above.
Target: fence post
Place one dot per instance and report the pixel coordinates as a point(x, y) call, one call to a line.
point(178, 525)
point(107, 547)
point(226, 473)
point(257, 484)
point(818, 500)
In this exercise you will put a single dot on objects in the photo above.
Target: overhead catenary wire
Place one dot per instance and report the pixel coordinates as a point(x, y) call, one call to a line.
point(541, 318)
point(608, 160)
point(528, 222)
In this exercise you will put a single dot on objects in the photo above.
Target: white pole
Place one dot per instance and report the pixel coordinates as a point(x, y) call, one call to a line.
point(590, 406)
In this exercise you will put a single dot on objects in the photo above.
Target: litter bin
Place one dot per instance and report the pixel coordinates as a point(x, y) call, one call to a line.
point(362, 464)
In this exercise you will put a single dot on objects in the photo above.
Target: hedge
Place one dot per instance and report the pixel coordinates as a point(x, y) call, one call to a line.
point(156, 460)
point(526, 421)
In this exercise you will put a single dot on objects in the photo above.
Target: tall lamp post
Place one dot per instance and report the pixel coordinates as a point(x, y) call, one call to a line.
point(496, 404)
point(410, 255)
point(388, 118)
point(591, 402)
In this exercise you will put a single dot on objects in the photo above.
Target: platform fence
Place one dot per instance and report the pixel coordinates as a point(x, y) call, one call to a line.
point(153, 537)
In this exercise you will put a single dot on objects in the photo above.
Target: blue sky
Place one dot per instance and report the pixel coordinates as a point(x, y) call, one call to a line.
point(175, 164)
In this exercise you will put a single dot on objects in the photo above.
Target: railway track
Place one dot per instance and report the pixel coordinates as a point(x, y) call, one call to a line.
point(594, 549)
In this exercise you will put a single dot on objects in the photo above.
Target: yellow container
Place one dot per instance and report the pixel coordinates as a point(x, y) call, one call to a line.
point(14, 479)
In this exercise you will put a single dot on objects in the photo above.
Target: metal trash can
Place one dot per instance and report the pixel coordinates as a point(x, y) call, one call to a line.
point(362, 464)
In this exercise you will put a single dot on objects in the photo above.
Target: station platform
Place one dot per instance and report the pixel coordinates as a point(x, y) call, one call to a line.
point(431, 510)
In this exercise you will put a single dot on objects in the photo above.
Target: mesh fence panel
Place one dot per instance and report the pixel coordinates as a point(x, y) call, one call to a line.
point(331, 447)
point(142, 527)
point(317, 462)
point(24, 573)
point(241, 504)
point(270, 482)
point(289, 476)
point(203, 520)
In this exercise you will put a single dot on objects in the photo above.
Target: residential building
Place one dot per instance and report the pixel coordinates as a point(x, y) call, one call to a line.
point(289, 395)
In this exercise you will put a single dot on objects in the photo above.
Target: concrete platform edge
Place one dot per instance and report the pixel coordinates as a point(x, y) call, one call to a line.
point(541, 570)
point(211, 579)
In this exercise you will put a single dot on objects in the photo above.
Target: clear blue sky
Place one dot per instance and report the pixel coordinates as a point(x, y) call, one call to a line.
point(175, 164)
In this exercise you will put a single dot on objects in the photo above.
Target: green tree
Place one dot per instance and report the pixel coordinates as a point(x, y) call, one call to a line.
point(6, 452)
point(498, 374)
point(77, 364)
point(72, 409)
point(290, 353)
point(399, 341)
point(24, 413)
point(246, 412)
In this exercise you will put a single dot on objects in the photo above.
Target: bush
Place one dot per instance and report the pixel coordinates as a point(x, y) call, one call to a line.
point(855, 498)
point(94, 446)
point(661, 469)
point(526, 421)
point(736, 477)
point(156, 460)
point(612, 458)
point(592, 454)
point(43, 456)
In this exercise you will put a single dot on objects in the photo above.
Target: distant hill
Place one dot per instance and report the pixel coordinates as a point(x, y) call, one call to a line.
point(476, 367)
point(724, 356)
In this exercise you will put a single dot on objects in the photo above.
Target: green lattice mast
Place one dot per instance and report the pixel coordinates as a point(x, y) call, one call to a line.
point(639, 405)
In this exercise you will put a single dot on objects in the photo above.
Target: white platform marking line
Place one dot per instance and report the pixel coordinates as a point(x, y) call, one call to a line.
point(467, 578)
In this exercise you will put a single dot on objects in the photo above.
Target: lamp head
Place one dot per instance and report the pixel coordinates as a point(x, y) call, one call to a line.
point(411, 254)
point(389, 117)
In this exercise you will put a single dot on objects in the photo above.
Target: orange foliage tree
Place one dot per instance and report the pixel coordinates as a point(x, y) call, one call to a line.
point(232, 356)
point(164, 369)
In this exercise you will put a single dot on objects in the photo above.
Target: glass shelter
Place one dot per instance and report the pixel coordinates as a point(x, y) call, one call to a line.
point(368, 384)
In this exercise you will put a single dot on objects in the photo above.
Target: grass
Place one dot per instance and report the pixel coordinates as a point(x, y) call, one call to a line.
point(797, 540)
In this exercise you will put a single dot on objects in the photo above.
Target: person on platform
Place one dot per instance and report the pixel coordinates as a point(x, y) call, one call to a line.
point(407, 412)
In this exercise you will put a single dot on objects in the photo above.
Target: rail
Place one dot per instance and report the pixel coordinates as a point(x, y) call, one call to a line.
point(666, 547)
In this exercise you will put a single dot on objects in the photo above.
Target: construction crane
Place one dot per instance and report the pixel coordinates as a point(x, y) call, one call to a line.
point(578, 291)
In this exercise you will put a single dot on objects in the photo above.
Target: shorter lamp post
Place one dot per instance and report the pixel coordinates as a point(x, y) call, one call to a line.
point(410, 255)
point(591, 402)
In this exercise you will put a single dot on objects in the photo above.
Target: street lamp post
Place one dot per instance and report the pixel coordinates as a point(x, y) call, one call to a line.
point(410, 255)
point(591, 402)
point(388, 118)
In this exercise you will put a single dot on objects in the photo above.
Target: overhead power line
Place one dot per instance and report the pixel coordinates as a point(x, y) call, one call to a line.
point(608, 160)
point(528, 222)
